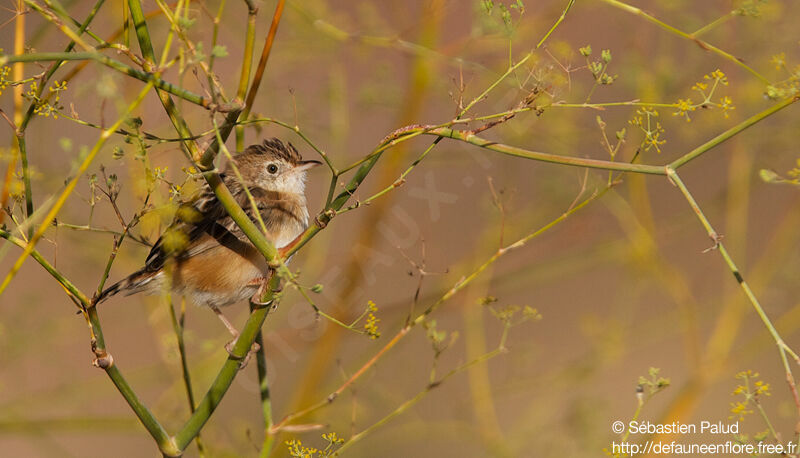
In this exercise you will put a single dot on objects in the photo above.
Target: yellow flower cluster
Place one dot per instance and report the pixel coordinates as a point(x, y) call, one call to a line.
point(652, 129)
point(751, 389)
point(4, 82)
point(41, 106)
point(297, 450)
point(371, 326)
point(713, 79)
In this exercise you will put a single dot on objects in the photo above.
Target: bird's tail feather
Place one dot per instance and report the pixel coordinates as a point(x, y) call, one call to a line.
point(137, 281)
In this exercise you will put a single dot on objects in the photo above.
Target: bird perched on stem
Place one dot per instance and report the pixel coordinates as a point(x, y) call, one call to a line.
point(205, 256)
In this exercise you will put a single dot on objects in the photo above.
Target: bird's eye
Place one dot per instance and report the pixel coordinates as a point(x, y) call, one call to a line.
point(272, 168)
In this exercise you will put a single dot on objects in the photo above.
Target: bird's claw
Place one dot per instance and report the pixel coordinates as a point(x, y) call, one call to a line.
point(257, 302)
point(243, 359)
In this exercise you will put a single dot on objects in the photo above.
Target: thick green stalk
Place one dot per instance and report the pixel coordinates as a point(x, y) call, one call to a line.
point(226, 374)
point(26, 176)
point(262, 62)
point(247, 63)
point(468, 137)
point(231, 367)
point(165, 443)
point(178, 328)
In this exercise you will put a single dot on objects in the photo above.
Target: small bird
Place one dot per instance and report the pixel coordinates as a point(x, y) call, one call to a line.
point(204, 255)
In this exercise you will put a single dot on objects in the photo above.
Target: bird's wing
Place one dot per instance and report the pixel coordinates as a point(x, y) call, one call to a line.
point(186, 236)
point(194, 222)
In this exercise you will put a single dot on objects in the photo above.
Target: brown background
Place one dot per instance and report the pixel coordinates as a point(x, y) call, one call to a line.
point(623, 285)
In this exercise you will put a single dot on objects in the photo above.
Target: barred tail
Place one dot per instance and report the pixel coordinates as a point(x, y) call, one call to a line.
point(137, 281)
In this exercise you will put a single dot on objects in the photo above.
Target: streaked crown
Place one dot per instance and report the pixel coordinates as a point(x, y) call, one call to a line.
point(274, 148)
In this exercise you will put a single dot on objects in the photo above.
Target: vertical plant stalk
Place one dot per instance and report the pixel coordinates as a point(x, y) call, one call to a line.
point(262, 63)
point(105, 361)
point(229, 370)
point(22, 120)
point(178, 328)
point(146, 47)
point(19, 75)
point(266, 400)
point(227, 373)
point(718, 245)
point(247, 63)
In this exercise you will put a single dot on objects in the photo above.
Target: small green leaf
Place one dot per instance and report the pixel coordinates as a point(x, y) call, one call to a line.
point(65, 143)
point(768, 176)
point(219, 51)
point(506, 15)
point(185, 23)
point(600, 122)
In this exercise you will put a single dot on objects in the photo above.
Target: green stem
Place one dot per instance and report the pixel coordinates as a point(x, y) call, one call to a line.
point(468, 137)
point(553, 28)
point(177, 327)
point(782, 347)
point(69, 288)
point(114, 250)
point(411, 402)
point(165, 443)
point(266, 401)
point(247, 63)
point(732, 131)
point(51, 215)
point(262, 62)
point(26, 177)
point(397, 182)
point(489, 89)
point(764, 416)
point(713, 24)
point(146, 77)
point(705, 45)
point(20, 134)
point(226, 374)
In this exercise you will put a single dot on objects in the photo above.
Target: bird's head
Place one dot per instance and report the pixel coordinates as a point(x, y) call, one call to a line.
point(274, 166)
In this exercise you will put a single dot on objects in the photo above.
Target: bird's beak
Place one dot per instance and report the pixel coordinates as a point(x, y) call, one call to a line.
point(305, 165)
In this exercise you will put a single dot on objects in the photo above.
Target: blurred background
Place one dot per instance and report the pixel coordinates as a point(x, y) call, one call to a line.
point(622, 285)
